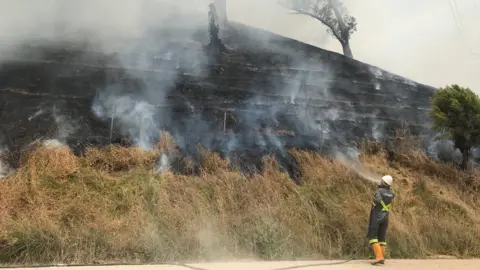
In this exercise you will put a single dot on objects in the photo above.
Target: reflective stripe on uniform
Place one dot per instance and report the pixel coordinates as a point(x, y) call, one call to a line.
point(385, 208)
point(375, 240)
point(383, 243)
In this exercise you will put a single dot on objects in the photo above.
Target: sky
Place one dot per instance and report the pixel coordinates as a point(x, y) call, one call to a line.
point(417, 39)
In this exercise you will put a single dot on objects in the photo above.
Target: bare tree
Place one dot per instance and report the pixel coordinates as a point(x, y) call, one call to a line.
point(332, 13)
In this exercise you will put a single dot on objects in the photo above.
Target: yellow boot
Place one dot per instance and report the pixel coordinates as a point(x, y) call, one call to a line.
point(377, 250)
point(383, 250)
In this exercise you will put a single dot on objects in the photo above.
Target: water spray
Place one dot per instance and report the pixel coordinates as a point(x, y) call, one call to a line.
point(355, 165)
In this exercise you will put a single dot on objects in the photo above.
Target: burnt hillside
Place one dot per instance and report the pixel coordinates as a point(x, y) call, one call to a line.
point(249, 91)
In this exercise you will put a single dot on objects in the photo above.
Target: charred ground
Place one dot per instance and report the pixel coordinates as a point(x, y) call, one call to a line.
point(259, 93)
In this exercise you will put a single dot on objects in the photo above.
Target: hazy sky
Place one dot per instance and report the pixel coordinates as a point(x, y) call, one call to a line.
point(417, 39)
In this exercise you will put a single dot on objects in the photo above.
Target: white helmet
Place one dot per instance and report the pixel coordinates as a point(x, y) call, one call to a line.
point(387, 179)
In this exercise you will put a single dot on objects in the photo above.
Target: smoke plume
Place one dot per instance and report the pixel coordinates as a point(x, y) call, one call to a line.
point(163, 75)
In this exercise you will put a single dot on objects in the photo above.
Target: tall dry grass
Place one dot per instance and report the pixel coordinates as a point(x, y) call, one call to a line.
point(109, 205)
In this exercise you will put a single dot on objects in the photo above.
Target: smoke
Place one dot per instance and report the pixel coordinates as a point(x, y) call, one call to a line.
point(106, 20)
point(444, 151)
point(156, 36)
point(5, 168)
point(280, 102)
point(156, 40)
point(163, 163)
point(52, 143)
point(160, 76)
point(424, 36)
point(134, 116)
point(65, 125)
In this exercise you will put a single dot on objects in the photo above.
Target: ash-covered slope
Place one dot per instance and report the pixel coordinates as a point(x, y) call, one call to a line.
point(249, 92)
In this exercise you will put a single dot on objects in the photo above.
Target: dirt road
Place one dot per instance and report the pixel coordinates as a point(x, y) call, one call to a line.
point(307, 265)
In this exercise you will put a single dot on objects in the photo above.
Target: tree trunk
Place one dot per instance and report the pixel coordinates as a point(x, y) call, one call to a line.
point(344, 32)
point(347, 51)
point(465, 158)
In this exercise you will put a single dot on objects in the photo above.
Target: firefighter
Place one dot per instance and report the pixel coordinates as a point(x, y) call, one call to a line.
point(377, 227)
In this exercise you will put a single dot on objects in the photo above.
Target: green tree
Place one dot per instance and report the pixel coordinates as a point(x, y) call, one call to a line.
point(456, 113)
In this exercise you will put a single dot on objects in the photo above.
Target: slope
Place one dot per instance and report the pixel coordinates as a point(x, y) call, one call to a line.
point(110, 206)
point(263, 93)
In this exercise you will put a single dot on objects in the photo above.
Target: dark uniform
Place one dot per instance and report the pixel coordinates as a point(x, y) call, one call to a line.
point(377, 227)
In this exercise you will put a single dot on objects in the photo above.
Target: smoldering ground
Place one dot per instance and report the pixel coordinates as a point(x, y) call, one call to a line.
point(160, 76)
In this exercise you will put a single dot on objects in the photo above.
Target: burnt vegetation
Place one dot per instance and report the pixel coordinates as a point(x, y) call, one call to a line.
point(238, 91)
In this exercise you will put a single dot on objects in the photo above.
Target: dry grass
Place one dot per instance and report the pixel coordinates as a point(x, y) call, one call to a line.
point(166, 143)
point(110, 206)
point(116, 158)
point(212, 162)
point(55, 162)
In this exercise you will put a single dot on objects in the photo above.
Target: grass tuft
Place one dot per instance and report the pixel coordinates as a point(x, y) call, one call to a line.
point(51, 162)
point(116, 158)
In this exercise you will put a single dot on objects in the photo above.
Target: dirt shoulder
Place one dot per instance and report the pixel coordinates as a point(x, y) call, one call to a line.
point(277, 265)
